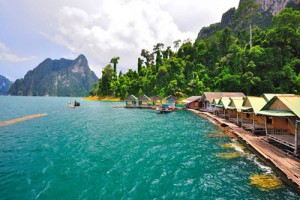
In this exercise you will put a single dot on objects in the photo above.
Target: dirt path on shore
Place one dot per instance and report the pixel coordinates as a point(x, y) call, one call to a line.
point(13, 121)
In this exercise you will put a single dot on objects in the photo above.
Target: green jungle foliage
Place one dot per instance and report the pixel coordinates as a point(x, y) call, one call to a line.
point(222, 62)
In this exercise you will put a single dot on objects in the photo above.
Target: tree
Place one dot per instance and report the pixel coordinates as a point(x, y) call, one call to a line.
point(176, 44)
point(107, 76)
point(115, 61)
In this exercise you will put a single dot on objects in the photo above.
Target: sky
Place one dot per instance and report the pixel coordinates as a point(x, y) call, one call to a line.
point(33, 30)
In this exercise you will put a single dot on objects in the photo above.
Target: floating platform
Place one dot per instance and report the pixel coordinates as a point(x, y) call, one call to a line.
point(286, 163)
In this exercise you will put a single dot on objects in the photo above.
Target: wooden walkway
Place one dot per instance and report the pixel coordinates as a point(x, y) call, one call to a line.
point(287, 164)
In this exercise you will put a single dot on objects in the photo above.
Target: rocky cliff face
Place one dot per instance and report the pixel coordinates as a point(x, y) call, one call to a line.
point(275, 6)
point(254, 12)
point(4, 85)
point(57, 78)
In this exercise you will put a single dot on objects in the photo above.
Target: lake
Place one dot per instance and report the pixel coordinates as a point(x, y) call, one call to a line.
point(96, 151)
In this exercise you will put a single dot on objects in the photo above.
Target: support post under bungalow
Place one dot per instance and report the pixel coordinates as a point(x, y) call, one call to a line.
point(296, 136)
point(242, 120)
point(237, 117)
point(253, 123)
point(266, 126)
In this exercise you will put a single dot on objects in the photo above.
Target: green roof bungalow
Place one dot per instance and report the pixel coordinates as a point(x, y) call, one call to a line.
point(234, 105)
point(131, 101)
point(222, 106)
point(192, 102)
point(170, 100)
point(208, 97)
point(214, 109)
point(249, 116)
point(156, 100)
point(144, 101)
point(282, 120)
point(269, 96)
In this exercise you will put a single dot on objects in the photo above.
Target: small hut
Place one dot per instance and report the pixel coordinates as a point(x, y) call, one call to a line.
point(156, 100)
point(131, 101)
point(235, 104)
point(248, 116)
point(223, 106)
point(170, 100)
point(208, 97)
point(192, 102)
point(144, 101)
point(282, 119)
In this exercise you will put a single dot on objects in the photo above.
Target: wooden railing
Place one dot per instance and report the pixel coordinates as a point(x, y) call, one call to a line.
point(276, 131)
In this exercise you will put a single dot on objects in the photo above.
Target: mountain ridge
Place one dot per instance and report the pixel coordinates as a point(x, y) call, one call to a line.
point(255, 12)
point(61, 77)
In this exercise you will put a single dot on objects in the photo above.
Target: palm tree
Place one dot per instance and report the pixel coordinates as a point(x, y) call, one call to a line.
point(176, 44)
point(115, 61)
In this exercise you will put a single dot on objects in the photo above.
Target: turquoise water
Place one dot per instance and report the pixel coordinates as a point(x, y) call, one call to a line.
point(100, 152)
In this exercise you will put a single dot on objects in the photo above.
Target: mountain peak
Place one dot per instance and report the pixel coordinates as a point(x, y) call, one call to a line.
point(61, 77)
point(254, 12)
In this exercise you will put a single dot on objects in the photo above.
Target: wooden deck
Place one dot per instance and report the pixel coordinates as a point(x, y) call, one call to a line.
point(287, 140)
point(286, 163)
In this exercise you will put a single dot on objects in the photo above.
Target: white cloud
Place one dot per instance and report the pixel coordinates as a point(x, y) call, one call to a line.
point(7, 55)
point(118, 28)
point(102, 29)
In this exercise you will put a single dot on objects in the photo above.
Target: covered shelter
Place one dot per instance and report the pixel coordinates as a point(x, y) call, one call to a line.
point(144, 101)
point(213, 105)
point(282, 118)
point(250, 118)
point(208, 97)
point(192, 102)
point(235, 104)
point(131, 101)
point(171, 100)
point(222, 107)
point(156, 100)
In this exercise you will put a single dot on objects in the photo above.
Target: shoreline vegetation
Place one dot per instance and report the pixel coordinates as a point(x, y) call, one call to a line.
point(118, 99)
point(106, 98)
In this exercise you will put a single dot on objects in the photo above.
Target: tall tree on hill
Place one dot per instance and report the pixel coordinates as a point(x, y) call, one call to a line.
point(115, 61)
point(107, 77)
point(176, 44)
point(140, 63)
point(157, 50)
point(148, 57)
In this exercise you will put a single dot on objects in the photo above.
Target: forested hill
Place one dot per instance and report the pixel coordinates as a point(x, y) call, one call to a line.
point(222, 62)
point(56, 78)
point(255, 12)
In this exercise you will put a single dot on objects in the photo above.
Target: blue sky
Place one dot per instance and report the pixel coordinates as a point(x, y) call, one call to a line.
point(33, 30)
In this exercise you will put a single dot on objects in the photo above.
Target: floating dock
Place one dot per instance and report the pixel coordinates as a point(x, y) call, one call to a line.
point(286, 163)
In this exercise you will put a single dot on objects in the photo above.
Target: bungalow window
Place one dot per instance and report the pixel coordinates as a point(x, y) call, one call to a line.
point(248, 115)
point(269, 120)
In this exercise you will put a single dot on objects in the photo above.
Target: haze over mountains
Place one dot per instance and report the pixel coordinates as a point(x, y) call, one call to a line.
point(4, 85)
point(56, 78)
